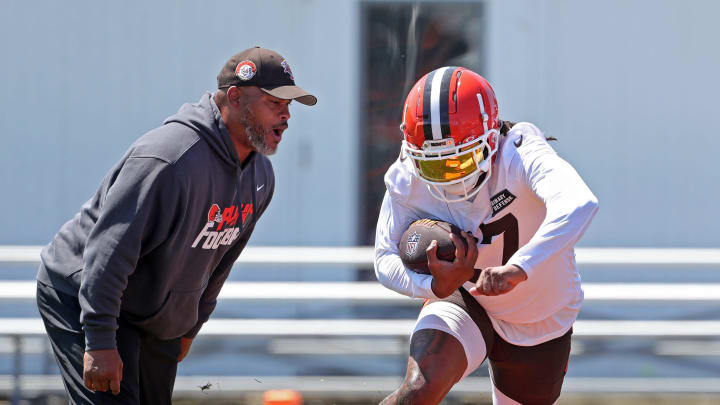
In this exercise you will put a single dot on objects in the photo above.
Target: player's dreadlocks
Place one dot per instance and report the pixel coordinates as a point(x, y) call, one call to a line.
point(506, 125)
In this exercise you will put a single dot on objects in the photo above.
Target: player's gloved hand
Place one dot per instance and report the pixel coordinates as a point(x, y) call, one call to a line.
point(498, 280)
point(184, 347)
point(102, 370)
point(449, 276)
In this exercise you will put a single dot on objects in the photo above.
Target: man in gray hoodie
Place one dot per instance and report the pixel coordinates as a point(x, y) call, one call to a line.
point(125, 286)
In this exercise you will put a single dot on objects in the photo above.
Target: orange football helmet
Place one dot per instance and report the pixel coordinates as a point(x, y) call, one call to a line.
point(451, 132)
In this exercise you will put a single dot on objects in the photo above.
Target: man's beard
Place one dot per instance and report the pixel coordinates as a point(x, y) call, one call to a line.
point(256, 133)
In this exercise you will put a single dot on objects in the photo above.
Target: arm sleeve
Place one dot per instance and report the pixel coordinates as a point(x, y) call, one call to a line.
point(394, 218)
point(138, 213)
point(570, 206)
point(208, 301)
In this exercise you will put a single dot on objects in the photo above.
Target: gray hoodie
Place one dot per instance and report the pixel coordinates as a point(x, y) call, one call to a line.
point(156, 242)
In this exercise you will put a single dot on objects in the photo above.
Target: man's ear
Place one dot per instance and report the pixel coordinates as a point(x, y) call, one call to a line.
point(234, 94)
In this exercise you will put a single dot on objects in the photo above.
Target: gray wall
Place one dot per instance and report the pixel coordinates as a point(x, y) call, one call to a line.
point(81, 80)
point(629, 88)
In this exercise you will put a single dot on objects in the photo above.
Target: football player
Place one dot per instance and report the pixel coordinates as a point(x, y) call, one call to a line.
point(526, 208)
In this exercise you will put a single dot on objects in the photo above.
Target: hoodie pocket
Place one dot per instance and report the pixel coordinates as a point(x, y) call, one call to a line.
point(177, 315)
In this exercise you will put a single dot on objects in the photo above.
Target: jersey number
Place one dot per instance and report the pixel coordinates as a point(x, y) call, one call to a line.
point(507, 225)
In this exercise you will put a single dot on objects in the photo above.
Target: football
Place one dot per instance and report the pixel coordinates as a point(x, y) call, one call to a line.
point(416, 239)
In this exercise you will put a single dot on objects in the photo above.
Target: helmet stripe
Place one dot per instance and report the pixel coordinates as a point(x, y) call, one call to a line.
point(445, 101)
point(483, 115)
point(492, 108)
point(435, 102)
point(427, 130)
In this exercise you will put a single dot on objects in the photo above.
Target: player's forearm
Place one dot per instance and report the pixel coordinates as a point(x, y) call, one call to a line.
point(559, 231)
point(392, 274)
point(570, 206)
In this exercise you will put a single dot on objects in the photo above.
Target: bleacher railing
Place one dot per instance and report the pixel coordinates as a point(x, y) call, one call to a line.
point(372, 292)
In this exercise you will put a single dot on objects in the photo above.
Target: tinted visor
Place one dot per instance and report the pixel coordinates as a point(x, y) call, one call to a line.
point(453, 168)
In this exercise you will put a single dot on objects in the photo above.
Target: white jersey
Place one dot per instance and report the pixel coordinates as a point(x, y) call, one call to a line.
point(530, 213)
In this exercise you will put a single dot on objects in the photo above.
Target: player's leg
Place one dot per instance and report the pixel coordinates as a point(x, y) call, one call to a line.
point(501, 399)
point(158, 367)
point(529, 375)
point(436, 363)
point(61, 315)
point(446, 346)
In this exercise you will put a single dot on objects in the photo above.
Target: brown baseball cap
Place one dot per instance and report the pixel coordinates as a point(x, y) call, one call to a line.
point(265, 69)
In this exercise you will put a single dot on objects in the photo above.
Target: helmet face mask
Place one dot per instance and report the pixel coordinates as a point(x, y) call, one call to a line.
point(453, 173)
point(451, 130)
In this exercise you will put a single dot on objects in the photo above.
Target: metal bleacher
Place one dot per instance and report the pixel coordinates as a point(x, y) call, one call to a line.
point(297, 332)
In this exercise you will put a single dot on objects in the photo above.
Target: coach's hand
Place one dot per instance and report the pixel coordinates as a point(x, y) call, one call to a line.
point(498, 280)
point(449, 276)
point(102, 370)
point(184, 347)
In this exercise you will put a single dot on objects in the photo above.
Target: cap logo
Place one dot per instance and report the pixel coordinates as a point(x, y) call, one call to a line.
point(245, 70)
point(286, 69)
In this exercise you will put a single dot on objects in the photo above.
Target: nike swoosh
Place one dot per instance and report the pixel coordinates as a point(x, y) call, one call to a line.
point(518, 142)
point(258, 189)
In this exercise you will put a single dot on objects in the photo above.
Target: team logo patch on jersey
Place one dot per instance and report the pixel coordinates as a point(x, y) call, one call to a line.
point(412, 243)
point(245, 70)
point(499, 201)
point(221, 228)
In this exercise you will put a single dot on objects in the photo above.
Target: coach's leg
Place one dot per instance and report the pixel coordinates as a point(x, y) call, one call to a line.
point(158, 367)
point(446, 346)
point(61, 315)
